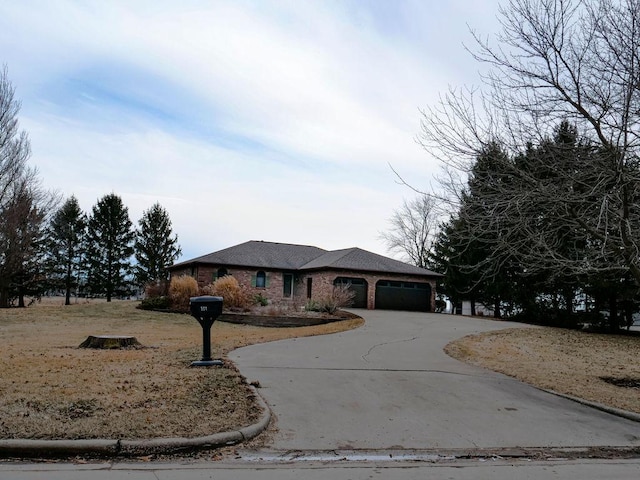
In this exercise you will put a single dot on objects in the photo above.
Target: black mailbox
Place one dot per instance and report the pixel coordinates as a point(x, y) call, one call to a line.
point(206, 309)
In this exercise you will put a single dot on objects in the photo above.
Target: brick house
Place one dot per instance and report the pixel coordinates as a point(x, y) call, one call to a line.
point(284, 272)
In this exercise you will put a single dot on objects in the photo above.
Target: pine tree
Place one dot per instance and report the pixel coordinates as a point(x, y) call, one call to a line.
point(471, 246)
point(570, 210)
point(26, 220)
point(109, 247)
point(155, 247)
point(66, 235)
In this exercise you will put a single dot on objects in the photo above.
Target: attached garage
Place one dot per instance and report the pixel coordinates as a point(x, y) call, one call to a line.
point(395, 295)
point(299, 273)
point(358, 286)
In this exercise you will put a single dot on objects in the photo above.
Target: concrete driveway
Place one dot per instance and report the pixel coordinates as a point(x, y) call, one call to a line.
point(389, 385)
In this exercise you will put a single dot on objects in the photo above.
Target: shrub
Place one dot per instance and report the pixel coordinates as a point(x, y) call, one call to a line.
point(206, 290)
point(155, 303)
point(312, 305)
point(340, 296)
point(181, 289)
point(261, 300)
point(156, 289)
point(233, 294)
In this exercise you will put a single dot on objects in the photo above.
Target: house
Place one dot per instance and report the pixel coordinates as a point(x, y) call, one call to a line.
point(286, 272)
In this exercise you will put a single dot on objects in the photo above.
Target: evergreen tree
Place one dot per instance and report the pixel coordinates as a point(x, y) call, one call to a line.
point(459, 256)
point(109, 248)
point(571, 211)
point(26, 220)
point(155, 247)
point(513, 244)
point(480, 266)
point(66, 235)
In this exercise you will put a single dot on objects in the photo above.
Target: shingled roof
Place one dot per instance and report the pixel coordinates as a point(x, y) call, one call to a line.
point(286, 256)
point(281, 256)
point(362, 260)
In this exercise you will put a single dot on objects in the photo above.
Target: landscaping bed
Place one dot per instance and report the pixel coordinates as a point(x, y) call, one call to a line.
point(302, 319)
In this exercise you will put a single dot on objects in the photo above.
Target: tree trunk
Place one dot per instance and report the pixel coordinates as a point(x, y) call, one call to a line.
point(67, 299)
point(613, 314)
point(4, 298)
point(569, 296)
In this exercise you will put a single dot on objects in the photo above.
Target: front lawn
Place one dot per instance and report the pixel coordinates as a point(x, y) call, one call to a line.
point(51, 389)
point(597, 367)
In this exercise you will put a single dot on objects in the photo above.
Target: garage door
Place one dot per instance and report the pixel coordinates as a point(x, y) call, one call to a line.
point(356, 285)
point(412, 296)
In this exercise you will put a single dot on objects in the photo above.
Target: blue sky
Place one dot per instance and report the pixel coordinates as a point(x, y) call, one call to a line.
point(247, 120)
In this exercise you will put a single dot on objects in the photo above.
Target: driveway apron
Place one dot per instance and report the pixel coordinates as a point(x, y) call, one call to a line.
point(389, 385)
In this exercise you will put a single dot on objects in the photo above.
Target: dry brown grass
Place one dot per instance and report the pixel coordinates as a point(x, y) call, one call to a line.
point(566, 361)
point(49, 388)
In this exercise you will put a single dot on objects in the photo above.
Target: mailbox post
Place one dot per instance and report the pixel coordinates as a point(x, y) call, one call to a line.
point(206, 309)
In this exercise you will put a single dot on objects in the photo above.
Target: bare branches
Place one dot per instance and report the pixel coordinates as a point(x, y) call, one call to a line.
point(558, 59)
point(413, 230)
point(569, 207)
point(24, 204)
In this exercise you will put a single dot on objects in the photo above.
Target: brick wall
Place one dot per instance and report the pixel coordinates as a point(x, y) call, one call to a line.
point(204, 274)
point(274, 290)
point(322, 282)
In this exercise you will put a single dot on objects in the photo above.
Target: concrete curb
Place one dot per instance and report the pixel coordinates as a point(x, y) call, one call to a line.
point(58, 448)
point(599, 406)
point(112, 448)
point(261, 425)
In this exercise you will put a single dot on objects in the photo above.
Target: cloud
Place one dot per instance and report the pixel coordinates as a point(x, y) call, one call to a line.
point(246, 120)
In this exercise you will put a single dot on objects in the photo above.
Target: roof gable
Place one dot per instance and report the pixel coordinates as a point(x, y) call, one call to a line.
point(363, 260)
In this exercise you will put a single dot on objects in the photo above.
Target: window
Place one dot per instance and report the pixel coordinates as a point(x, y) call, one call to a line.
point(261, 279)
point(309, 287)
point(287, 283)
point(222, 272)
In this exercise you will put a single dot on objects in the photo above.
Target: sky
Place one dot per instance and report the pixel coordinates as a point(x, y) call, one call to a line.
point(246, 120)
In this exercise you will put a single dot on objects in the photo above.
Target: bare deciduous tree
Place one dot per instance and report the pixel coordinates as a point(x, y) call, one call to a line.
point(24, 204)
point(554, 61)
point(413, 228)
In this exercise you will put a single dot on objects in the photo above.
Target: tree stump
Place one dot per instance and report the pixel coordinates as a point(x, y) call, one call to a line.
point(110, 341)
